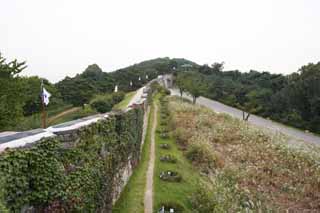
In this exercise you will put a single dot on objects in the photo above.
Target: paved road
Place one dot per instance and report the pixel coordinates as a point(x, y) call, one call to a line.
point(295, 134)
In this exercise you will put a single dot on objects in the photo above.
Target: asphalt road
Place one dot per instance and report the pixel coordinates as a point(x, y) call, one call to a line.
point(294, 134)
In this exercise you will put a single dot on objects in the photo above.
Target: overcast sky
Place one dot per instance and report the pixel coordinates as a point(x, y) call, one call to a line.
point(61, 37)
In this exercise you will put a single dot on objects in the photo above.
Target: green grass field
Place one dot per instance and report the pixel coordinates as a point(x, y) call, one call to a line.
point(173, 192)
point(132, 197)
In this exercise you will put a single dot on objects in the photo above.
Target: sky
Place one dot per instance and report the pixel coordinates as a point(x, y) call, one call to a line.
point(62, 37)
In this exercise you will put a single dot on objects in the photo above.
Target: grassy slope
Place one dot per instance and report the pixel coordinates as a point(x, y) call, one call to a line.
point(169, 191)
point(74, 115)
point(124, 103)
point(258, 170)
point(132, 197)
point(34, 121)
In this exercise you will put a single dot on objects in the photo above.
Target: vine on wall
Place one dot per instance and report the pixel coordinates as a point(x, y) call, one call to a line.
point(60, 176)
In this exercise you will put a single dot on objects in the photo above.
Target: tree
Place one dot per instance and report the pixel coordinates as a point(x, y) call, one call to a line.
point(194, 85)
point(180, 83)
point(11, 101)
point(242, 101)
point(205, 69)
point(31, 94)
point(217, 67)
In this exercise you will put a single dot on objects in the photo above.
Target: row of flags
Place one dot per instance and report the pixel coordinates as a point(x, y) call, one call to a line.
point(45, 95)
point(116, 87)
point(45, 98)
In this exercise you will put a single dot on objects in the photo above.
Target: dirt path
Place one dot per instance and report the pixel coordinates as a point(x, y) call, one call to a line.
point(148, 196)
point(50, 120)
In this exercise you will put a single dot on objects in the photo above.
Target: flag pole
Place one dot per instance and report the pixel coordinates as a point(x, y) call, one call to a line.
point(43, 107)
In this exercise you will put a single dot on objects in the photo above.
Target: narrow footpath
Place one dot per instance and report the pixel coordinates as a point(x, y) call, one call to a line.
point(148, 196)
point(53, 118)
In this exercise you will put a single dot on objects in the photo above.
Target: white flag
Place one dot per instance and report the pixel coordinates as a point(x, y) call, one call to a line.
point(45, 96)
point(139, 78)
point(116, 88)
point(147, 77)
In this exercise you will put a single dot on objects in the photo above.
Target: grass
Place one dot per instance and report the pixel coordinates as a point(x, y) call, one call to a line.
point(132, 197)
point(34, 121)
point(173, 192)
point(124, 103)
point(82, 112)
point(253, 171)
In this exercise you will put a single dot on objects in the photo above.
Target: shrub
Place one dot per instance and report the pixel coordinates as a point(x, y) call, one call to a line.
point(225, 196)
point(117, 97)
point(182, 136)
point(102, 104)
point(78, 178)
point(201, 155)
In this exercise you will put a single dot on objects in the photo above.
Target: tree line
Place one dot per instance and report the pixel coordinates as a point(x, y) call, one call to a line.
point(290, 99)
point(20, 95)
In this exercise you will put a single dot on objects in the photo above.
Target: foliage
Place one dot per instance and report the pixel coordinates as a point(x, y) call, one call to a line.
point(81, 178)
point(80, 89)
point(223, 195)
point(292, 99)
point(132, 197)
point(192, 83)
point(20, 96)
point(104, 103)
point(124, 103)
point(201, 155)
point(31, 93)
point(11, 87)
point(251, 168)
point(83, 87)
point(174, 194)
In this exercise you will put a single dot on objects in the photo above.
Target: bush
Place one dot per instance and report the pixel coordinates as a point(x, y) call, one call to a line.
point(202, 155)
point(224, 196)
point(79, 178)
point(182, 136)
point(102, 104)
point(117, 97)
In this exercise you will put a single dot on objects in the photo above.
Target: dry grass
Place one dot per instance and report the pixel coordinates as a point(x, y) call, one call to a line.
point(267, 169)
